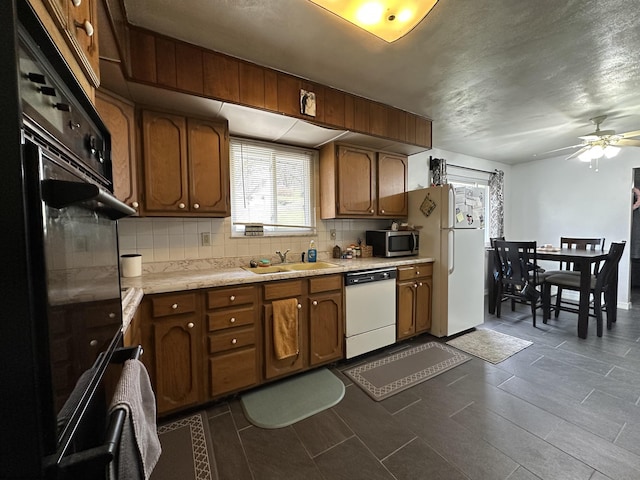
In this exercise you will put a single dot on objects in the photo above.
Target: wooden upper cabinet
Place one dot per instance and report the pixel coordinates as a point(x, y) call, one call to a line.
point(378, 124)
point(143, 56)
point(186, 165)
point(251, 85)
point(119, 117)
point(165, 54)
point(189, 75)
point(288, 95)
point(334, 107)
point(164, 156)
point(392, 185)
point(83, 27)
point(208, 150)
point(356, 181)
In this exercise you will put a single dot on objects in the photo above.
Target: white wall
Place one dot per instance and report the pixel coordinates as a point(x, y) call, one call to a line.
point(547, 199)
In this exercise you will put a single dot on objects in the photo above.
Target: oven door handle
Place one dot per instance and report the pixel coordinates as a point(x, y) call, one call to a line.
point(62, 193)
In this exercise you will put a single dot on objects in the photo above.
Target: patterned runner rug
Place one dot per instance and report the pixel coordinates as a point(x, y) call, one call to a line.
point(396, 372)
point(187, 453)
point(489, 345)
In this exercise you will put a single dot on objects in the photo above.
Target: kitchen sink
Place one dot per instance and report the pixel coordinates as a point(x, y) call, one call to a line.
point(290, 267)
point(308, 266)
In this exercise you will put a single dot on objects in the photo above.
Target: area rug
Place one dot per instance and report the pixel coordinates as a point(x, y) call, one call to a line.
point(187, 453)
point(489, 345)
point(293, 399)
point(396, 372)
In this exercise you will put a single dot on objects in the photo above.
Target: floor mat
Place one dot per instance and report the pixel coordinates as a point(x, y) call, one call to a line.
point(489, 345)
point(396, 372)
point(186, 450)
point(293, 399)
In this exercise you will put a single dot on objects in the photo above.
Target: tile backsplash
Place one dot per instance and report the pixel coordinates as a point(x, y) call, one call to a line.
point(179, 239)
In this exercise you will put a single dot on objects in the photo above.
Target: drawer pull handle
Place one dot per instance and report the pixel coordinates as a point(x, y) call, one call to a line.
point(299, 306)
point(232, 320)
point(174, 306)
point(232, 298)
point(234, 341)
point(93, 343)
point(190, 325)
point(315, 302)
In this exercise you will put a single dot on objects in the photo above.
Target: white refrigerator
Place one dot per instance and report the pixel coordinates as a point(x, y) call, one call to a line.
point(452, 220)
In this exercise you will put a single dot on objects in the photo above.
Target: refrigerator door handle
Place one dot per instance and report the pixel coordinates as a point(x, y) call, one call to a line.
point(452, 249)
point(452, 207)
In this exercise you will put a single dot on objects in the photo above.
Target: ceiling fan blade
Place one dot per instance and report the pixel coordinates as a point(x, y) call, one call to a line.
point(575, 154)
point(628, 143)
point(635, 133)
point(557, 150)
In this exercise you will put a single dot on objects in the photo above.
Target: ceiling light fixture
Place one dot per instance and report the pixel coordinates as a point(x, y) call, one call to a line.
point(386, 19)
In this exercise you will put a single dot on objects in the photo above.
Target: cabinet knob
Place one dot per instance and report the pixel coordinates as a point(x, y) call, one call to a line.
point(76, 3)
point(381, 211)
point(135, 204)
point(232, 320)
point(232, 298)
point(174, 306)
point(190, 325)
point(196, 205)
point(299, 306)
point(181, 205)
point(234, 341)
point(419, 284)
point(315, 302)
point(417, 272)
point(93, 343)
point(112, 315)
point(86, 26)
point(415, 285)
point(371, 211)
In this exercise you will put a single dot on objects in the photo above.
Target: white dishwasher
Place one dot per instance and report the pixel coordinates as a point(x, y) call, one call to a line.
point(370, 309)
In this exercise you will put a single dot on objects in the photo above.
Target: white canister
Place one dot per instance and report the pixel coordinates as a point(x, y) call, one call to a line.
point(131, 265)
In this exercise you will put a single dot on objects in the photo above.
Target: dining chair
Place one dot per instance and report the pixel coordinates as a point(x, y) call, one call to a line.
point(518, 275)
point(604, 282)
point(571, 268)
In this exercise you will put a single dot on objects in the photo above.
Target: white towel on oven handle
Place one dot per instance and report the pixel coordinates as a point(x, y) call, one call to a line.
point(135, 395)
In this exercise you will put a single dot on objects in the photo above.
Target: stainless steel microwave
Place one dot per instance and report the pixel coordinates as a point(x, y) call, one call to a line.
point(390, 243)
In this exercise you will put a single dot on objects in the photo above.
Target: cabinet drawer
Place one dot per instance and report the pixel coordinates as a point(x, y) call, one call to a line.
point(325, 283)
point(409, 272)
point(229, 297)
point(232, 371)
point(235, 317)
point(232, 338)
point(173, 304)
point(282, 289)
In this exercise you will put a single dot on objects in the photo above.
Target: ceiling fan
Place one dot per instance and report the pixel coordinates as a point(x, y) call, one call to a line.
point(601, 143)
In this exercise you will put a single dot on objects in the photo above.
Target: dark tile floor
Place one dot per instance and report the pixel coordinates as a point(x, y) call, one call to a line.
point(564, 408)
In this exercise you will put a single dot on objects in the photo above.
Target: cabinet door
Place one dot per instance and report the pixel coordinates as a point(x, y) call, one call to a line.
point(406, 295)
point(177, 355)
point(208, 152)
point(392, 185)
point(83, 30)
point(423, 304)
point(233, 370)
point(356, 181)
point(165, 163)
point(272, 365)
point(119, 118)
point(326, 332)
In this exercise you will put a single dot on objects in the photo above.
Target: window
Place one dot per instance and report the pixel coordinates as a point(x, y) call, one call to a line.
point(271, 185)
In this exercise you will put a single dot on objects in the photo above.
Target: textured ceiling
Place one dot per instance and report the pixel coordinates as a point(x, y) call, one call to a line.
point(501, 79)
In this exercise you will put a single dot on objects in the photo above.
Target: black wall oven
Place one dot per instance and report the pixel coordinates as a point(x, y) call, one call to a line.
point(73, 302)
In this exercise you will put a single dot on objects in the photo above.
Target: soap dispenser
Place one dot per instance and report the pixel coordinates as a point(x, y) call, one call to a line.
point(312, 252)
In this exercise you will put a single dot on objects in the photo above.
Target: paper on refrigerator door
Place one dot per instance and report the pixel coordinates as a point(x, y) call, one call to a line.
point(469, 207)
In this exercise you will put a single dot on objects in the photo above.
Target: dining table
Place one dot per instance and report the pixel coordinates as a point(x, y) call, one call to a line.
point(583, 261)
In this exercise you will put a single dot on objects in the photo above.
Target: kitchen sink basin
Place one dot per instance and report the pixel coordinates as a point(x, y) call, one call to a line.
point(308, 266)
point(290, 267)
point(263, 270)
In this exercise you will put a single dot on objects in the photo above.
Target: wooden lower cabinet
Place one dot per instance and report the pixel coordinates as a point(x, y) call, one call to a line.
point(232, 337)
point(326, 321)
point(413, 299)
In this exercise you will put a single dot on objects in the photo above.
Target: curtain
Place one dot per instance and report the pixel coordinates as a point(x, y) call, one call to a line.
point(496, 204)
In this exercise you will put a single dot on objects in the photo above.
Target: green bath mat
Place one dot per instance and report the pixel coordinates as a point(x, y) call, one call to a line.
point(288, 401)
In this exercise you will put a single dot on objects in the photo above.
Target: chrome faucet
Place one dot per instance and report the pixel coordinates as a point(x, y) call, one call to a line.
point(283, 256)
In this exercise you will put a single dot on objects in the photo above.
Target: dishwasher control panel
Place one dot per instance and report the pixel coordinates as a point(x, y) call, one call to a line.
point(367, 276)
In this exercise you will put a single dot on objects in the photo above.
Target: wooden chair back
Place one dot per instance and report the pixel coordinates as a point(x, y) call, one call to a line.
point(580, 244)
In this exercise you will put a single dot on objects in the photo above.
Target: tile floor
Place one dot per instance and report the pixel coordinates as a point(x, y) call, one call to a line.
point(564, 408)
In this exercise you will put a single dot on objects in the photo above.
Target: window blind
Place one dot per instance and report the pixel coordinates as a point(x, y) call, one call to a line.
point(272, 185)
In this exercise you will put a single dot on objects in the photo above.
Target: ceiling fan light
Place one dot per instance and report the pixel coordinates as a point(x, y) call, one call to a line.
point(596, 151)
point(585, 156)
point(610, 151)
